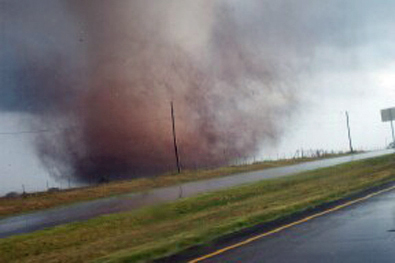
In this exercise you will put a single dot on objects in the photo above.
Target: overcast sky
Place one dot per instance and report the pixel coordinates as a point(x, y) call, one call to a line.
point(323, 58)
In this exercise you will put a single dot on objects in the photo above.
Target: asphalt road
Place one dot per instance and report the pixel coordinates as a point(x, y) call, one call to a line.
point(82, 211)
point(361, 233)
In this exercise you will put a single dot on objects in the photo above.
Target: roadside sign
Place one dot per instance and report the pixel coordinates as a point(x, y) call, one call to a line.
point(388, 115)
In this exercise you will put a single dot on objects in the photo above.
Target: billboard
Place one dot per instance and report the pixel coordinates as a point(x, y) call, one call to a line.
point(388, 115)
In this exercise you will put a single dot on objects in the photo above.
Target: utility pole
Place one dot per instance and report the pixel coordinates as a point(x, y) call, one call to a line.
point(349, 132)
point(175, 138)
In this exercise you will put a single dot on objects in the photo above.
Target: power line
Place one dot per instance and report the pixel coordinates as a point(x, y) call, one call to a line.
point(25, 132)
point(64, 129)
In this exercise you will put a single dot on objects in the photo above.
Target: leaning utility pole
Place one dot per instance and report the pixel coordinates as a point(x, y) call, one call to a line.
point(349, 132)
point(175, 138)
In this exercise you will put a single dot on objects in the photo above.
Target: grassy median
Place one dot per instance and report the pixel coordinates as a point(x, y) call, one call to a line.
point(161, 230)
point(44, 200)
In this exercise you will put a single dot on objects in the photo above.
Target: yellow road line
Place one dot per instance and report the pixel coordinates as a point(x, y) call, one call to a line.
point(252, 239)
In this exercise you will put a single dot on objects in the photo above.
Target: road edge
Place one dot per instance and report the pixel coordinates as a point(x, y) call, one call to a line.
point(219, 245)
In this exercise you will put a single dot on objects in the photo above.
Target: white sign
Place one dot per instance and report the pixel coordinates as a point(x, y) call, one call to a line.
point(388, 115)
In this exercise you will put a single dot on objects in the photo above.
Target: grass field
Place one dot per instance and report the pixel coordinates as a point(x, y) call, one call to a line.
point(44, 200)
point(161, 230)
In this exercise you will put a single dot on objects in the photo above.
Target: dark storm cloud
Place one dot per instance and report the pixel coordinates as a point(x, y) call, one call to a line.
point(40, 56)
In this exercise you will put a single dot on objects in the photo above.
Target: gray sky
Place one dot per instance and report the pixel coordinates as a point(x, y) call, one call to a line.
point(307, 62)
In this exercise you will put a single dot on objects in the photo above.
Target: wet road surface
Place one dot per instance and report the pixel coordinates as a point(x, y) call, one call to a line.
point(82, 211)
point(361, 233)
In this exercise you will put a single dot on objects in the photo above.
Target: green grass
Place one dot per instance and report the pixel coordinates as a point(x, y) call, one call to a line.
point(162, 230)
point(44, 200)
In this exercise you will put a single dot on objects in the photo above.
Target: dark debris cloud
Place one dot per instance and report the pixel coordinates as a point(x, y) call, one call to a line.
point(102, 74)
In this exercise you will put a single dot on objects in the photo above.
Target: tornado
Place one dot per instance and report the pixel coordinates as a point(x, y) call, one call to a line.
point(97, 79)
